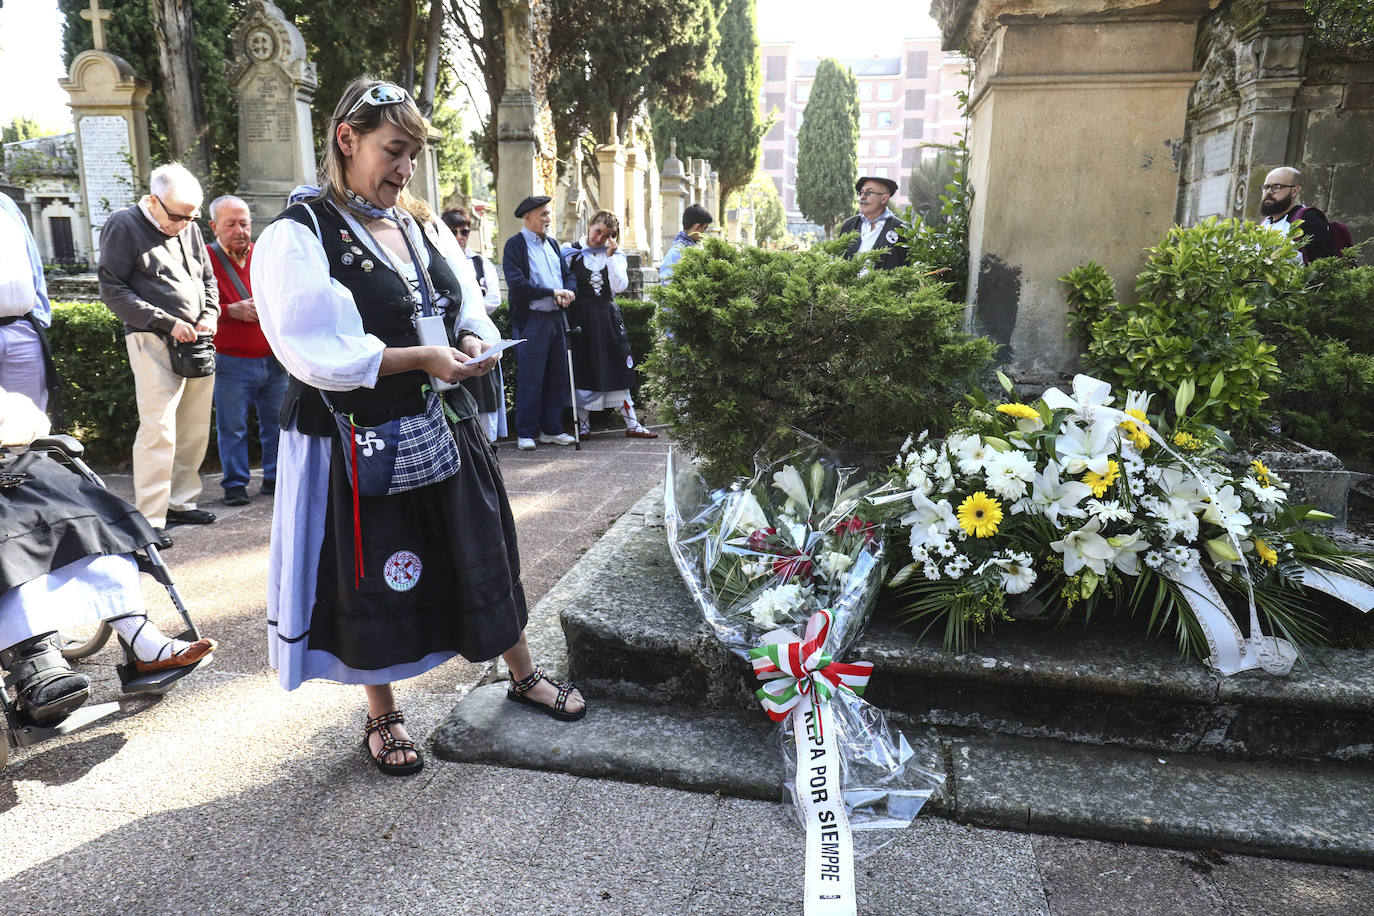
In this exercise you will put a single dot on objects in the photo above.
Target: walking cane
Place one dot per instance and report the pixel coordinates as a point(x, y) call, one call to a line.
point(568, 332)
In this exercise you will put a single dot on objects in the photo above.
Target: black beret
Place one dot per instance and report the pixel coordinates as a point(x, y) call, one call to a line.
point(531, 203)
point(885, 182)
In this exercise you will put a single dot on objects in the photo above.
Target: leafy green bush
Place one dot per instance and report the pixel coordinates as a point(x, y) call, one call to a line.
point(1326, 353)
point(1199, 302)
point(97, 389)
point(754, 339)
point(940, 243)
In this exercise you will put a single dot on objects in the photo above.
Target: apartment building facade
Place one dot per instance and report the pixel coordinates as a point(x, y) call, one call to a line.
point(905, 100)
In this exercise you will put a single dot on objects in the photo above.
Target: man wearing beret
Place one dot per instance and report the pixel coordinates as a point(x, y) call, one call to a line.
point(876, 224)
point(540, 284)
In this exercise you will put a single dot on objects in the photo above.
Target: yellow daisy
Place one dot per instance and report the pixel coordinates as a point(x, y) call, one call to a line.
point(1267, 554)
point(1187, 440)
point(979, 515)
point(1261, 472)
point(1101, 482)
point(1019, 411)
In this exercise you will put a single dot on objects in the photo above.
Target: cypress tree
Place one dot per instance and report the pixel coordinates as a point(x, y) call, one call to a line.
point(828, 146)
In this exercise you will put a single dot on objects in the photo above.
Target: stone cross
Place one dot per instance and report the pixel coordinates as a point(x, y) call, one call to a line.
point(97, 17)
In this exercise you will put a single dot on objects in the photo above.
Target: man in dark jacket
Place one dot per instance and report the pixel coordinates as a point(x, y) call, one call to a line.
point(1281, 209)
point(875, 223)
point(540, 285)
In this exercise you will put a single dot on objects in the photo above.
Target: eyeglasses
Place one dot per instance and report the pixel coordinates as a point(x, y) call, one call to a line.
point(379, 96)
point(174, 217)
point(1266, 188)
point(465, 232)
point(872, 193)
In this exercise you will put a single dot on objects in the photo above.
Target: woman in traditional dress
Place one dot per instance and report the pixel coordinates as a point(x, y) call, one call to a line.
point(373, 589)
point(489, 390)
point(603, 366)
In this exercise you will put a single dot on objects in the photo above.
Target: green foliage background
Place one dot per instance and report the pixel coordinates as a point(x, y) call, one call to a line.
point(828, 146)
point(770, 222)
point(97, 391)
point(752, 339)
point(729, 132)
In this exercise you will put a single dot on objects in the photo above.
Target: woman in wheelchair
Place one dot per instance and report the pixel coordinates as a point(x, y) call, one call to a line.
point(67, 559)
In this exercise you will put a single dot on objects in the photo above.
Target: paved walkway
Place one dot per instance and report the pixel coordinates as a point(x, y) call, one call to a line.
point(232, 796)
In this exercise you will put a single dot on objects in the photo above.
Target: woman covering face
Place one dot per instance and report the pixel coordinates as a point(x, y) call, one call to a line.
point(370, 589)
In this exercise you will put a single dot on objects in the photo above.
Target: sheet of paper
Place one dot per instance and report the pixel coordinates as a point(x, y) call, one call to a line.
point(493, 350)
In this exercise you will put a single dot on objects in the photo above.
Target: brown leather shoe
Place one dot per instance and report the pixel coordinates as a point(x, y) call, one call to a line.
point(188, 656)
point(642, 432)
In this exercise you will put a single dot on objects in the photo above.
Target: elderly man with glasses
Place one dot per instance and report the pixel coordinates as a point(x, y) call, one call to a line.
point(155, 274)
point(876, 224)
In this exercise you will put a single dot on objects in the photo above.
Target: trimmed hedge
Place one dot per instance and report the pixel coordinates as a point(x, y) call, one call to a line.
point(756, 339)
point(97, 390)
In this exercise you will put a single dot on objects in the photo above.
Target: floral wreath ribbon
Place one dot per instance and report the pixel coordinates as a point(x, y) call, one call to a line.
point(1230, 651)
point(792, 670)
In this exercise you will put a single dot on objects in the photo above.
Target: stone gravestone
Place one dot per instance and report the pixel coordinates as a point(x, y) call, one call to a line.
point(110, 107)
point(274, 82)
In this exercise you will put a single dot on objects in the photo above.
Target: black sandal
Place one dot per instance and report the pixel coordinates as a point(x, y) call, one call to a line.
point(558, 710)
point(382, 726)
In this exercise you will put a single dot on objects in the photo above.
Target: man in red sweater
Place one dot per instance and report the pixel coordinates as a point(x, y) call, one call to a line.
point(246, 372)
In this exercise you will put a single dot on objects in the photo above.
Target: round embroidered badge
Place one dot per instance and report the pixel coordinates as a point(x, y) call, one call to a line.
point(892, 236)
point(402, 571)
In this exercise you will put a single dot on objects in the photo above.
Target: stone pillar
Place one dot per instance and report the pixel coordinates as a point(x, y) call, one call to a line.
point(636, 164)
point(653, 207)
point(424, 184)
point(713, 196)
point(610, 166)
point(1078, 117)
point(675, 196)
point(275, 83)
point(517, 117)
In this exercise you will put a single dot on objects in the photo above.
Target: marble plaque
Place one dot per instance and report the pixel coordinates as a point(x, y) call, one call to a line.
point(1211, 196)
point(105, 165)
point(1216, 152)
point(267, 123)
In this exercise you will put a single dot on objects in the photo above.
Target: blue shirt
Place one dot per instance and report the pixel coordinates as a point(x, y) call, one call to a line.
point(42, 308)
point(546, 269)
point(681, 242)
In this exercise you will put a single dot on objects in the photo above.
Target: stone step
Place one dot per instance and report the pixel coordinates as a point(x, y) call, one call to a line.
point(1311, 811)
point(634, 633)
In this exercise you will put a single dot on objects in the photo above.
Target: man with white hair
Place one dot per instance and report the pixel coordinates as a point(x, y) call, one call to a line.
point(155, 273)
point(1281, 209)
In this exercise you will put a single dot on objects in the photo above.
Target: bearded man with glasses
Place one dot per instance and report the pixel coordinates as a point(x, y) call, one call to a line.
point(876, 224)
point(1281, 210)
point(155, 274)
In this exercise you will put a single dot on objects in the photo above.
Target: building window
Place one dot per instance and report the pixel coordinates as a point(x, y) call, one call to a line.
point(863, 148)
point(884, 92)
point(774, 100)
point(884, 119)
point(777, 183)
point(882, 147)
point(916, 63)
point(777, 68)
point(915, 100)
point(865, 92)
point(913, 128)
point(772, 160)
point(909, 156)
point(775, 132)
point(803, 91)
point(880, 171)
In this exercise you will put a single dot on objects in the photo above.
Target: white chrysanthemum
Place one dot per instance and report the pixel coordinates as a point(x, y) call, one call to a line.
point(1154, 559)
point(971, 452)
point(1266, 495)
point(906, 446)
point(1015, 569)
point(918, 479)
point(931, 571)
point(774, 605)
point(834, 563)
point(956, 567)
point(1008, 473)
point(945, 548)
point(1109, 511)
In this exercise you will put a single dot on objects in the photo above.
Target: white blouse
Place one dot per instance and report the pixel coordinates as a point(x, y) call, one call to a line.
point(618, 268)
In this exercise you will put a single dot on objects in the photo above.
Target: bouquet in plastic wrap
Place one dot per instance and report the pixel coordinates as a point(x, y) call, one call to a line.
point(785, 566)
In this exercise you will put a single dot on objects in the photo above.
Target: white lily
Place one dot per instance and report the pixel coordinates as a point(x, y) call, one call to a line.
point(1088, 393)
point(747, 514)
point(789, 481)
point(1224, 509)
point(1085, 549)
point(1083, 449)
point(1052, 498)
point(929, 519)
point(1128, 549)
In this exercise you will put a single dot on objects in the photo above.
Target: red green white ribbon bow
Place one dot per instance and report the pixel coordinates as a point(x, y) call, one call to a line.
point(793, 669)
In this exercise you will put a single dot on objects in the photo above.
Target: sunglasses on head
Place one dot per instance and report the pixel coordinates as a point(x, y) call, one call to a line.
point(379, 96)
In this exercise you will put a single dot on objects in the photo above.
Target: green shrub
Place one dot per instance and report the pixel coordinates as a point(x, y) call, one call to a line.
point(97, 388)
point(1200, 299)
point(638, 323)
point(940, 243)
point(1326, 353)
point(754, 339)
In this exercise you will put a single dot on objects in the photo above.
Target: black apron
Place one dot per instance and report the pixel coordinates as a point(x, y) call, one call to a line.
point(601, 352)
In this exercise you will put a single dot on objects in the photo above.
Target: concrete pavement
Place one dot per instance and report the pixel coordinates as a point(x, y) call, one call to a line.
point(230, 795)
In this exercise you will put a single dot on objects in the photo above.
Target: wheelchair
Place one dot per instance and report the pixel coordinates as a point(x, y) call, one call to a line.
point(89, 640)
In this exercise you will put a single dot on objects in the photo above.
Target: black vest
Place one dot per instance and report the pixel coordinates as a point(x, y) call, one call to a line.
point(387, 307)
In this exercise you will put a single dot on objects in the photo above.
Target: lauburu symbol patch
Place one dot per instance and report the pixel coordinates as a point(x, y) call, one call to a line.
point(369, 442)
point(402, 571)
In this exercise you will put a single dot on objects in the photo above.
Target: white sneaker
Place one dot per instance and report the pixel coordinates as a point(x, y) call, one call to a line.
point(525, 445)
point(560, 439)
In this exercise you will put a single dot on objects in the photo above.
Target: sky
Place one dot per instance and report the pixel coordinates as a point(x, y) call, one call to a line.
point(31, 43)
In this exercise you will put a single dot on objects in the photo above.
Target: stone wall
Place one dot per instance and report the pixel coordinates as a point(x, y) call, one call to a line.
point(1269, 96)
